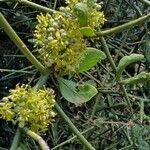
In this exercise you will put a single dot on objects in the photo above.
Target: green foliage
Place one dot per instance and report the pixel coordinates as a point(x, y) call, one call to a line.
point(76, 93)
point(87, 32)
point(65, 43)
point(141, 78)
point(91, 58)
point(127, 60)
point(29, 108)
point(136, 136)
point(81, 11)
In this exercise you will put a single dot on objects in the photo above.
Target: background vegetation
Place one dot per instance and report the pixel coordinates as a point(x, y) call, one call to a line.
point(106, 120)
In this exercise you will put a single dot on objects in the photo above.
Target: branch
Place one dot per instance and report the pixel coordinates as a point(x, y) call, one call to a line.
point(73, 128)
point(125, 26)
point(35, 6)
point(37, 138)
point(15, 140)
point(145, 2)
point(113, 66)
point(19, 43)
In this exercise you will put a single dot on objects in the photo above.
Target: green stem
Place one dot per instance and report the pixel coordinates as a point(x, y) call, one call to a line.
point(147, 2)
point(15, 140)
point(37, 138)
point(107, 52)
point(16, 71)
point(35, 6)
point(71, 139)
point(125, 26)
point(125, 94)
point(42, 80)
point(95, 107)
point(141, 111)
point(73, 128)
point(113, 66)
point(19, 43)
point(126, 147)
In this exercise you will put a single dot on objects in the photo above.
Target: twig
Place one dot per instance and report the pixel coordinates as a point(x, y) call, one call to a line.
point(69, 140)
point(73, 128)
point(125, 26)
point(113, 66)
point(37, 138)
point(35, 6)
point(16, 140)
point(19, 43)
point(147, 2)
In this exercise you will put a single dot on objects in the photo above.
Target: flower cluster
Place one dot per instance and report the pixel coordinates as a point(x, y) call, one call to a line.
point(59, 42)
point(28, 107)
point(96, 18)
point(58, 37)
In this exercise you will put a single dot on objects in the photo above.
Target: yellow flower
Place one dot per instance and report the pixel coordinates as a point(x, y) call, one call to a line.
point(96, 18)
point(62, 44)
point(29, 108)
point(58, 38)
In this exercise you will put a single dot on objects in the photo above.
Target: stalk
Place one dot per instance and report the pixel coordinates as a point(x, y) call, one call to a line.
point(71, 139)
point(147, 2)
point(125, 26)
point(19, 43)
point(15, 140)
point(113, 66)
point(73, 128)
point(37, 138)
point(35, 6)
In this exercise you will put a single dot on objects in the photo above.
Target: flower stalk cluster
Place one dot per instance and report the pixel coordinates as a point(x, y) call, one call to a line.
point(29, 108)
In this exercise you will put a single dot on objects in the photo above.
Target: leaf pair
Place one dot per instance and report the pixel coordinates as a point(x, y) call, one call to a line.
point(76, 93)
point(127, 60)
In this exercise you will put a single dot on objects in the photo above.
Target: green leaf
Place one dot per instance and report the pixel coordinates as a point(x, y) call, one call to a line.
point(143, 145)
point(135, 133)
point(87, 32)
point(127, 60)
point(91, 58)
point(75, 93)
point(140, 78)
point(81, 11)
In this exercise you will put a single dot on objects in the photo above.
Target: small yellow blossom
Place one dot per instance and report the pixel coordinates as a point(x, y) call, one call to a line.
point(61, 44)
point(58, 37)
point(29, 108)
